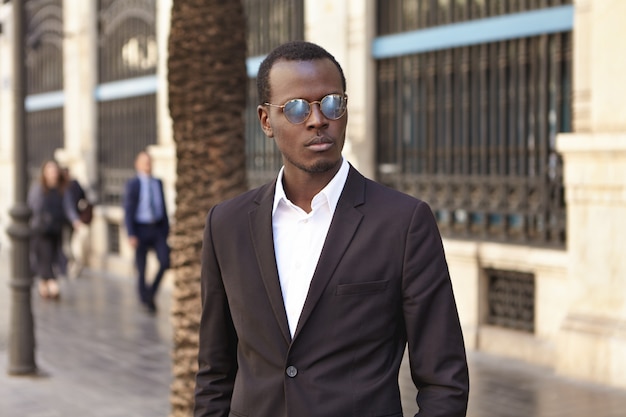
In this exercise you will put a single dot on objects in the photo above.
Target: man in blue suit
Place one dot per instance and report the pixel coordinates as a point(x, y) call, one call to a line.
point(147, 225)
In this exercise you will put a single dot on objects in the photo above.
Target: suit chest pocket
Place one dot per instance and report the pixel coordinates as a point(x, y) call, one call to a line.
point(362, 288)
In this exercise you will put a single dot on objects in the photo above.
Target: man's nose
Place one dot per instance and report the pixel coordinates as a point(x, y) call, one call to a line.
point(317, 118)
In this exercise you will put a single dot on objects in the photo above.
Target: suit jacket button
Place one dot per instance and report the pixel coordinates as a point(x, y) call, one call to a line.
point(292, 371)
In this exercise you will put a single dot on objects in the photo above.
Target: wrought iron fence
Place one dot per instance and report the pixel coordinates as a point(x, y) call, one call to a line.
point(127, 39)
point(472, 131)
point(45, 134)
point(44, 74)
point(395, 16)
point(270, 23)
point(125, 128)
point(113, 238)
point(127, 123)
point(263, 159)
point(511, 299)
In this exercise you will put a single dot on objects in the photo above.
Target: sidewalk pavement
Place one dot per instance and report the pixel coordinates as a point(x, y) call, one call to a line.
point(101, 355)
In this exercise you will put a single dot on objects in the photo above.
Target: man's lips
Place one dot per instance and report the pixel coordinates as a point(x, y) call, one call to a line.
point(320, 144)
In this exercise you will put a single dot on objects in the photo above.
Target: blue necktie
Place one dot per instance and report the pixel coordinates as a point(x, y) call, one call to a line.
point(152, 201)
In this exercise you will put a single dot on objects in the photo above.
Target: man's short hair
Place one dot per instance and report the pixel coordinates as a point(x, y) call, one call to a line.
point(291, 51)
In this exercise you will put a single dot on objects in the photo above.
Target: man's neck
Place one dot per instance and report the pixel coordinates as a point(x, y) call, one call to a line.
point(300, 186)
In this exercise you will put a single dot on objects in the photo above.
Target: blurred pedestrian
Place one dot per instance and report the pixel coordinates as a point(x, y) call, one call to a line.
point(45, 199)
point(78, 212)
point(147, 226)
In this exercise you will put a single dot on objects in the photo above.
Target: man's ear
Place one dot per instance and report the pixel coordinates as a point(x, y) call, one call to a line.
point(264, 118)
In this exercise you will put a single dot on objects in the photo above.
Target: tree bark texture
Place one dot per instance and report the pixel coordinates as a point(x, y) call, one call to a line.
point(207, 96)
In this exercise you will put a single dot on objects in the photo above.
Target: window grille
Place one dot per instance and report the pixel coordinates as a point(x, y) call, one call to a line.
point(472, 130)
point(127, 39)
point(511, 299)
point(44, 46)
point(45, 135)
point(44, 74)
point(127, 50)
point(126, 127)
point(395, 16)
point(113, 241)
point(270, 23)
point(263, 159)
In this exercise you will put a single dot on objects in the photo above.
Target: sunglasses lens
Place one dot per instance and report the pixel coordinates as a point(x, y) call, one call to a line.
point(297, 111)
point(333, 106)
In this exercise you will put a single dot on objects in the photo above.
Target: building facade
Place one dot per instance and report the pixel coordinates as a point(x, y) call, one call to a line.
point(505, 116)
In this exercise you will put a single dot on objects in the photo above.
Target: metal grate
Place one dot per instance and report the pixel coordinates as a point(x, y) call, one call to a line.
point(127, 39)
point(127, 50)
point(472, 131)
point(395, 16)
point(126, 127)
point(511, 299)
point(44, 74)
point(45, 134)
point(113, 235)
point(44, 46)
point(270, 23)
point(263, 159)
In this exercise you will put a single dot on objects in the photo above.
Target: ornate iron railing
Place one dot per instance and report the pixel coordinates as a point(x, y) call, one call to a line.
point(395, 16)
point(45, 135)
point(125, 127)
point(44, 74)
point(127, 124)
point(270, 23)
point(127, 39)
point(511, 299)
point(472, 131)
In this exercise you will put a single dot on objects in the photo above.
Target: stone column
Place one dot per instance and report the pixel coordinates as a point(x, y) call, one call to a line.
point(80, 54)
point(349, 40)
point(592, 338)
point(6, 122)
point(164, 152)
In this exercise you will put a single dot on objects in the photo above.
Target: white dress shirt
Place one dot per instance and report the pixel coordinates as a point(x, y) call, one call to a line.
point(299, 237)
point(149, 207)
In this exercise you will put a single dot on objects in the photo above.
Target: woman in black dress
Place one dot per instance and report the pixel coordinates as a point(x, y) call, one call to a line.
point(45, 199)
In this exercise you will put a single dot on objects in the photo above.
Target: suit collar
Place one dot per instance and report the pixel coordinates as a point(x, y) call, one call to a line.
point(342, 229)
point(341, 232)
point(331, 191)
point(260, 220)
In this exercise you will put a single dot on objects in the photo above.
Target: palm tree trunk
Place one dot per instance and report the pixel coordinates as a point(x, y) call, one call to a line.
point(207, 93)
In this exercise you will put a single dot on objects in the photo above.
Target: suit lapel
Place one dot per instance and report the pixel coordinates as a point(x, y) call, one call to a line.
point(260, 220)
point(345, 222)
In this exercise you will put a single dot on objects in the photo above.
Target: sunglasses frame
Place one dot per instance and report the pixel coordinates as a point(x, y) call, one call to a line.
point(344, 96)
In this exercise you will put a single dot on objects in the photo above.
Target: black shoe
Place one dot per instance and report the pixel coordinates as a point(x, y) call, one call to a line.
point(150, 306)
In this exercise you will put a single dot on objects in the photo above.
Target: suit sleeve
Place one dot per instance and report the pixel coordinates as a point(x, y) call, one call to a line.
point(435, 341)
point(166, 219)
point(70, 200)
point(217, 355)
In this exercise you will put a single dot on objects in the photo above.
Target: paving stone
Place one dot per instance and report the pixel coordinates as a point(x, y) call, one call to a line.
point(101, 355)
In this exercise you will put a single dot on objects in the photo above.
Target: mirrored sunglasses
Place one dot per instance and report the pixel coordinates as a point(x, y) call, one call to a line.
point(298, 110)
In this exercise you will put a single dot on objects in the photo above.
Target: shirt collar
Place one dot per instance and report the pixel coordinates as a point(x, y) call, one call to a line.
point(332, 191)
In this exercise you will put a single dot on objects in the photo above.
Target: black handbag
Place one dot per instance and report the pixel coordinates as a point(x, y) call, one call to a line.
point(85, 210)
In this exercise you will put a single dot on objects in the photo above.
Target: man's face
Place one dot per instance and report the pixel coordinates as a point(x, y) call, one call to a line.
point(143, 163)
point(315, 145)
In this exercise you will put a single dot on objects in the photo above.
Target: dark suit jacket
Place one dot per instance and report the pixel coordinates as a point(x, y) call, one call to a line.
point(131, 202)
point(381, 280)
